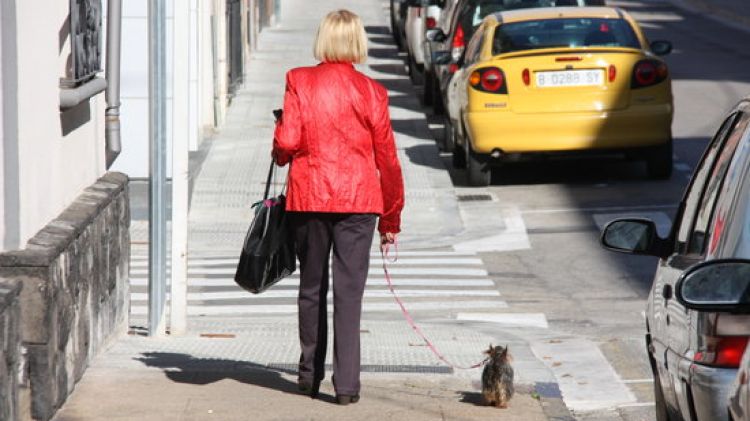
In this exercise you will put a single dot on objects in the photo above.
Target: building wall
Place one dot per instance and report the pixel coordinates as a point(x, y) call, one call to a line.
point(59, 154)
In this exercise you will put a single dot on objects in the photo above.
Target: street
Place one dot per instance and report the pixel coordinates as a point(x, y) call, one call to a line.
point(517, 263)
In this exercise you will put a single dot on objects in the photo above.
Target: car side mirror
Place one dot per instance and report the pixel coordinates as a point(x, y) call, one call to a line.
point(717, 285)
point(442, 57)
point(435, 35)
point(631, 235)
point(661, 48)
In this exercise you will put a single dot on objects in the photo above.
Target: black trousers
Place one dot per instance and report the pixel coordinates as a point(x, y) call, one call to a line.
point(350, 237)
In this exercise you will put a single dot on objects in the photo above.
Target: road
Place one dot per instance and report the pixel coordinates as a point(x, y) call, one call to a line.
point(586, 293)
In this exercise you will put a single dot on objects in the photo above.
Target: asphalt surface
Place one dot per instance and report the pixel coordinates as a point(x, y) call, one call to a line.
point(585, 292)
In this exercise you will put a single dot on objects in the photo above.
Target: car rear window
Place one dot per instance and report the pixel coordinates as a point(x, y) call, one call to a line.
point(566, 32)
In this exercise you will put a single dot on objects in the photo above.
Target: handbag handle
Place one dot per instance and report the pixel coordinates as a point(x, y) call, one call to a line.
point(269, 179)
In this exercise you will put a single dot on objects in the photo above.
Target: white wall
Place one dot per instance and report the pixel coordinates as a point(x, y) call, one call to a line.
point(54, 164)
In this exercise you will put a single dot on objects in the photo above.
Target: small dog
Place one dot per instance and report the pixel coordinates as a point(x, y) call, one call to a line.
point(497, 377)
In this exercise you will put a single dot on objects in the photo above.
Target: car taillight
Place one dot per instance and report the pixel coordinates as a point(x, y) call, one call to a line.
point(458, 44)
point(526, 75)
point(722, 351)
point(430, 23)
point(648, 73)
point(612, 73)
point(489, 79)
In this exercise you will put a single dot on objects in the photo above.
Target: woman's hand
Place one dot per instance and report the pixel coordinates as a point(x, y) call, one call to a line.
point(386, 239)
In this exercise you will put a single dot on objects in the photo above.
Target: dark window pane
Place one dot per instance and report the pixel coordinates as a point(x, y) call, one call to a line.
point(567, 33)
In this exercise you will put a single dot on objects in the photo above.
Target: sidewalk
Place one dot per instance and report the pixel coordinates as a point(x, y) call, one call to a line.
point(243, 368)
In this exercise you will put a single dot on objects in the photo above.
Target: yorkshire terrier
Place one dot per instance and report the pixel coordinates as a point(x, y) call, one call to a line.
point(497, 377)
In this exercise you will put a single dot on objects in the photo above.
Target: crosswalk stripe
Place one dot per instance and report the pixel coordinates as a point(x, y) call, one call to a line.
point(373, 271)
point(400, 262)
point(142, 254)
point(242, 295)
point(140, 310)
point(427, 282)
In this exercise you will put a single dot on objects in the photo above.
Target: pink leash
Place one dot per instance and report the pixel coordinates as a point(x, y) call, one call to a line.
point(384, 252)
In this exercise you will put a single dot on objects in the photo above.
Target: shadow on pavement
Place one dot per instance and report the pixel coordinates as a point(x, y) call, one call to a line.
point(184, 368)
point(424, 155)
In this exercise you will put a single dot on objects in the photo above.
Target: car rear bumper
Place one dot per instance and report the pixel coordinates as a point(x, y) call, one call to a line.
point(635, 127)
point(710, 388)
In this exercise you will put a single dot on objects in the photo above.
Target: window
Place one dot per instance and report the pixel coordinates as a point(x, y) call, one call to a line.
point(475, 47)
point(698, 236)
point(699, 180)
point(85, 42)
point(564, 33)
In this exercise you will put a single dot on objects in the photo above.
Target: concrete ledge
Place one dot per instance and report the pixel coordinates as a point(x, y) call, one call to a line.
point(75, 292)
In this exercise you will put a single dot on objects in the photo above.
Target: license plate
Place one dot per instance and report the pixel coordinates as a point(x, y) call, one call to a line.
point(570, 78)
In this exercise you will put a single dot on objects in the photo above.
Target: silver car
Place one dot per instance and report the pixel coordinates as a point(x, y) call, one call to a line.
point(739, 397)
point(694, 343)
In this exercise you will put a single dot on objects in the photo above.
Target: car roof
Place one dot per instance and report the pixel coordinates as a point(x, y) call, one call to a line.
point(520, 15)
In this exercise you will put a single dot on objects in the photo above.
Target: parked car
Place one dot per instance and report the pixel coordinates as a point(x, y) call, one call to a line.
point(458, 21)
point(739, 396)
point(695, 334)
point(561, 81)
point(420, 16)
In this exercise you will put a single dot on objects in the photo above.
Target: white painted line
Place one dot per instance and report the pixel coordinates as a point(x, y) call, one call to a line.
point(508, 319)
point(448, 253)
point(513, 237)
point(636, 381)
point(586, 379)
point(229, 282)
point(661, 219)
point(243, 295)
point(637, 405)
point(373, 271)
point(432, 262)
point(292, 308)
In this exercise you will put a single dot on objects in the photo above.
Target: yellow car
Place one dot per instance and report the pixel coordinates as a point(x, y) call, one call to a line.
point(558, 81)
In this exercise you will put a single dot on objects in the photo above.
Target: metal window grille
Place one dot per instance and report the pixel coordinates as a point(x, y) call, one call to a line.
point(85, 42)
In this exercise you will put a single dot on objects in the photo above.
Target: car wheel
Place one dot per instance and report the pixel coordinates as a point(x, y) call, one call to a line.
point(448, 142)
point(394, 26)
point(662, 412)
point(458, 159)
point(414, 73)
point(659, 162)
point(428, 89)
point(437, 99)
point(477, 170)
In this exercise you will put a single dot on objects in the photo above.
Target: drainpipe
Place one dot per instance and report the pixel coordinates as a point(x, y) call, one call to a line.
point(114, 41)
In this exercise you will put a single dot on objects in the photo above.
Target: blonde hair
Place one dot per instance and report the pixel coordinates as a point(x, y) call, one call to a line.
point(341, 37)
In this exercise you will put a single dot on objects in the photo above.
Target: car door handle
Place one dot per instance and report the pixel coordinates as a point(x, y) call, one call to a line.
point(666, 292)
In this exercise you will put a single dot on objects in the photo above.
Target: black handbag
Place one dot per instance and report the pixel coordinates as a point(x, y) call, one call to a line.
point(268, 253)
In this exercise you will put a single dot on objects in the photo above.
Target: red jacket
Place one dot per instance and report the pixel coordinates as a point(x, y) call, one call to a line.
point(337, 130)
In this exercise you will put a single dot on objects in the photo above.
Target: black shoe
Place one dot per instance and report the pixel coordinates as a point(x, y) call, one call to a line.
point(346, 399)
point(311, 389)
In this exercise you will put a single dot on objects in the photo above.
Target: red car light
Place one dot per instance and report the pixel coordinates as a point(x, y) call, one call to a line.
point(489, 79)
point(612, 73)
point(723, 351)
point(648, 73)
point(430, 23)
point(526, 75)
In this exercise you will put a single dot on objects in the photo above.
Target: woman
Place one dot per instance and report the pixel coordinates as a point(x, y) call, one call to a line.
point(336, 132)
